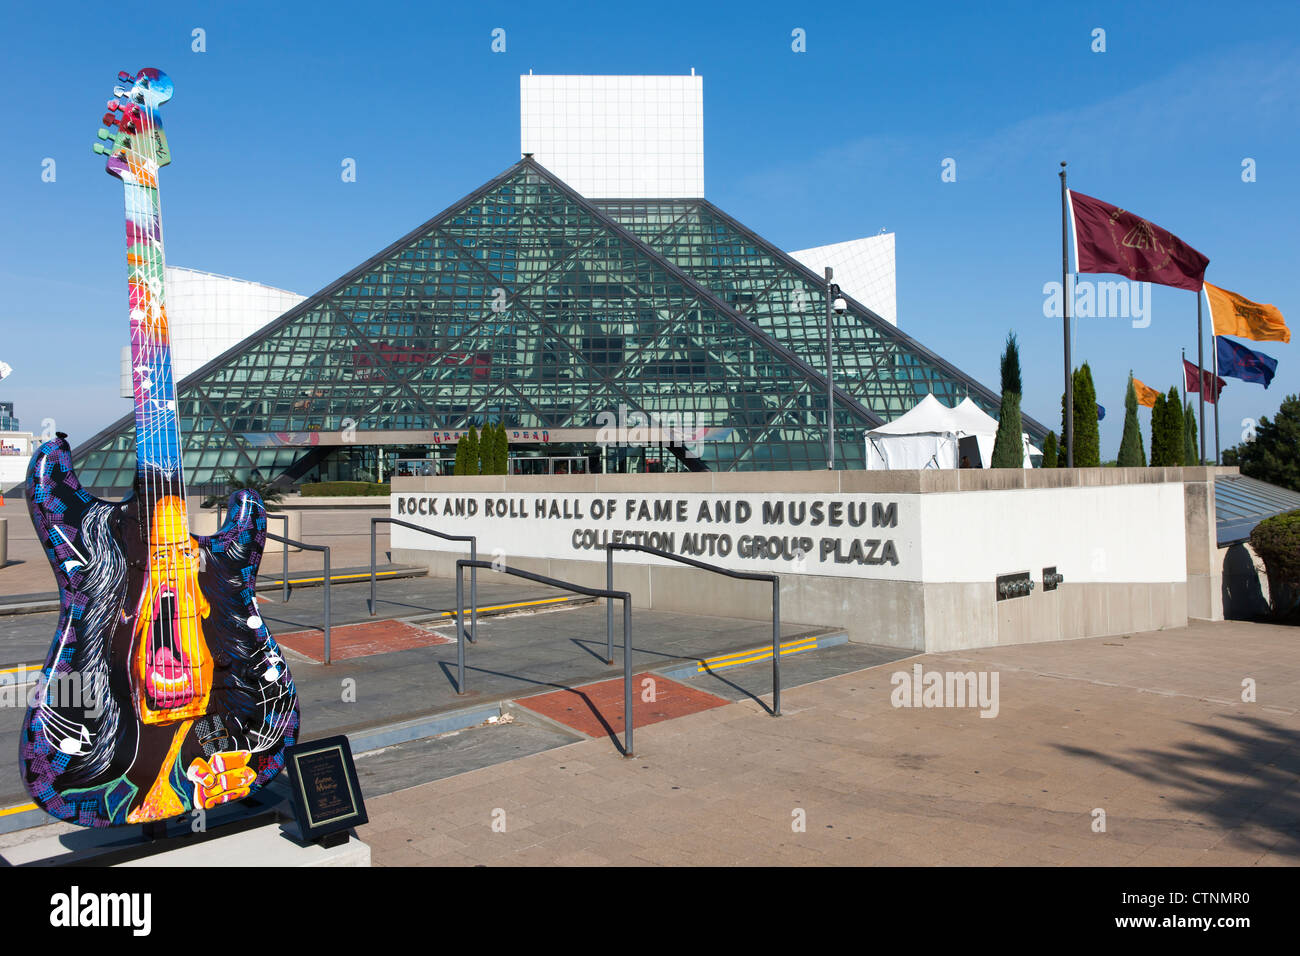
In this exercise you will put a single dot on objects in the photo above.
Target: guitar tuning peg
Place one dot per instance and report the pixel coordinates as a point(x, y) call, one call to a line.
point(104, 134)
point(110, 119)
point(124, 77)
point(114, 105)
point(100, 148)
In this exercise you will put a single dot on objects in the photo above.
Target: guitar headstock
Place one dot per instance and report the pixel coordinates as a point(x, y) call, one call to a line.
point(133, 137)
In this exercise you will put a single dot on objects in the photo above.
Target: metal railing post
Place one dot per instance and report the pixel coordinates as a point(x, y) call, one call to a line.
point(623, 596)
point(473, 591)
point(609, 608)
point(284, 569)
point(627, 680)
point(327, 597)
point(372, 567)
point(473, 550)
point(742, 575)
point(460, 629)
point(776, 646)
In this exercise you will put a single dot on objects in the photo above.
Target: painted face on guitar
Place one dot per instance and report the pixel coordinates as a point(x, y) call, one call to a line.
point(173, 664)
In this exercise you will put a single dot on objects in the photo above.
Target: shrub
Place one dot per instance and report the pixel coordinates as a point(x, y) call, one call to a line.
point(1049, 451)
point(1277, 542)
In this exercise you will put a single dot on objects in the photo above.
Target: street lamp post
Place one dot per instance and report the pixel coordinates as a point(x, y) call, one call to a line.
point(834, 303)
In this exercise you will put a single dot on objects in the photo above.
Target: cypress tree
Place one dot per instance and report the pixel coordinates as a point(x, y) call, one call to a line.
point(1087, 437)
point(498, 449)
point(1008, 446)
point(472, 466)
point(1131, 453)
point(1174, 411)
point(1158, 431)
point(1191, 446)
point(1167, 449)
point(488, 448)
point(459, 467)
point(1011, 366)
point(1049, 451)
point(486, 452)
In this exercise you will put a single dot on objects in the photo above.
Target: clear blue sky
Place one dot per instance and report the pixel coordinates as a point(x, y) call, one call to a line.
point(806, 149)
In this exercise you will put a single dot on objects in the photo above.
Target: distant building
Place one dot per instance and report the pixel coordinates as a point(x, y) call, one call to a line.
point(207, 314)
point(863, 268)
point(16, 448)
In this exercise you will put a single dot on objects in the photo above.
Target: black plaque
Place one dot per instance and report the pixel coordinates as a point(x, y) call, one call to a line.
point(326, 796)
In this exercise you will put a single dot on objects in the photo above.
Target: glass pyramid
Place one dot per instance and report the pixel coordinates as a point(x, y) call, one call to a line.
point(527, 304)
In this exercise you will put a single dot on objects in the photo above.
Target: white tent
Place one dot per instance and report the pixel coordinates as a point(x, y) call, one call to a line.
point(928, 436)
point(923, 437)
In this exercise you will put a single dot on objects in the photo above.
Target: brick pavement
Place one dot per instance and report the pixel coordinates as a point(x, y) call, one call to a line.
point(1150, 728)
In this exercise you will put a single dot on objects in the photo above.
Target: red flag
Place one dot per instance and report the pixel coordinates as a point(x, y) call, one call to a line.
point(1110, 239)
point(1213, 384)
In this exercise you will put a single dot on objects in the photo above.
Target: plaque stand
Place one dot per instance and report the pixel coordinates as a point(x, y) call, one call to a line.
point(337, 838)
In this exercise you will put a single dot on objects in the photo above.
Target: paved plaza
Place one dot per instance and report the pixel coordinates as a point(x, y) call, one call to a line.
point(1158, 748)
point(1149, 729)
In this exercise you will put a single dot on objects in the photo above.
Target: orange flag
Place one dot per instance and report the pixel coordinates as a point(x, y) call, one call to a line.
point(1146, 395)
point(1233, 314)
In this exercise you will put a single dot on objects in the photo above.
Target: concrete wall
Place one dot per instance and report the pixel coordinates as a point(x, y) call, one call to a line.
point(1118, 535)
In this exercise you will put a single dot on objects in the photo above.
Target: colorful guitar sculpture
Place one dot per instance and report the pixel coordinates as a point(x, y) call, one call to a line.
point(164, 692)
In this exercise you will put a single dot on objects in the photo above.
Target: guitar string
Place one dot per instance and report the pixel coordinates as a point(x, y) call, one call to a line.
point(153, 353)
point(140, 232)
point(170, 417)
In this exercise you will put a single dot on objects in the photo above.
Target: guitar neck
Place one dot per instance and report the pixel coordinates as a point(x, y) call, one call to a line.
point(158, 443)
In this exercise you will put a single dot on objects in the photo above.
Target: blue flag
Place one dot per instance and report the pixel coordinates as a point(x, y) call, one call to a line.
point(1237, 361)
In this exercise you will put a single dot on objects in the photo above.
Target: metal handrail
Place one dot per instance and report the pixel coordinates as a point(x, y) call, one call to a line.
point(705, 566)
point(473, 555)
point(325, 549)
point(607, 593)
point(284, 575)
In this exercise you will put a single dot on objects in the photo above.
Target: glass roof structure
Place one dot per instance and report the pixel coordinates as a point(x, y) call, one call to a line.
point(526, 303)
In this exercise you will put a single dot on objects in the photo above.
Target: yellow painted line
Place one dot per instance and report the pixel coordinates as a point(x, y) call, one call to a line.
point(8, 811)
point(34, 668)
point(339, 577)
point(507, 607)
point(715, 664)
point(754, 650)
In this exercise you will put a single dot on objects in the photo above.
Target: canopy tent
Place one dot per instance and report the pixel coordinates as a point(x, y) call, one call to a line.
point(929, 435)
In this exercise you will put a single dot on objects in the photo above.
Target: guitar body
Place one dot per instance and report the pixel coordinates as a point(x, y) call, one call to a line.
point(163, 692)
point(87, 755)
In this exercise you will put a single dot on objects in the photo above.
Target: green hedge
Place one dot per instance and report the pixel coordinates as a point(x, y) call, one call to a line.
point(343, 489)
point(1277, 541)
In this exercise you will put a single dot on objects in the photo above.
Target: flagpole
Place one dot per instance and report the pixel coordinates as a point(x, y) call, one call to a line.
point(1218, 396)
point(1200, 371)
point(1182, 379)
point(1068, 437)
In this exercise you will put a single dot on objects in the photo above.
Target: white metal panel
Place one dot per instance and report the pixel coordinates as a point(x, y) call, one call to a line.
point(617, 136)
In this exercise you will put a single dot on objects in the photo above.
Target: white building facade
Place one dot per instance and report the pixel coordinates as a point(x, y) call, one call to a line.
point(208, 313)
point(617, 137)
